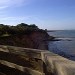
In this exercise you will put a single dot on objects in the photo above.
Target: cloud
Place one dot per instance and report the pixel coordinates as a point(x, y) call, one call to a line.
point(8, 3)
point(15, 18)
point(30, 19)
point(3, 7)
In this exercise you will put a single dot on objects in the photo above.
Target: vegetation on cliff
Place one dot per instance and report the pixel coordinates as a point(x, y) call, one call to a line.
point(24, 35)
point(19, 29)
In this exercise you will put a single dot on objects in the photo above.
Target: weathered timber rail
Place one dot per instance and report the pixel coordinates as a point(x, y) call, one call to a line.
point(25, 61)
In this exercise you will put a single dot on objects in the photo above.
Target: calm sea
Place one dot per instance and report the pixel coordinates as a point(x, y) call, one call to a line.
point(66, 46)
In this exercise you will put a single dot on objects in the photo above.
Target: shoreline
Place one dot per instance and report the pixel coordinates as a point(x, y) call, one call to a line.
point(62, 53)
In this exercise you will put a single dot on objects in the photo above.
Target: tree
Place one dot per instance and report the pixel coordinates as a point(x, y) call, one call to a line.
point(3, 29)
point(22, 25)
point(18, 30)
point(33, 26)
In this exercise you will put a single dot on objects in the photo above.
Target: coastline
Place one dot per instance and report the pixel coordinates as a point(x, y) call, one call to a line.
point(24, 35)
point(36, 40)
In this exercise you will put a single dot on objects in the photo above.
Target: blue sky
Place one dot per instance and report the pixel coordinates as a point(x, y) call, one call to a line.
point(46, 14)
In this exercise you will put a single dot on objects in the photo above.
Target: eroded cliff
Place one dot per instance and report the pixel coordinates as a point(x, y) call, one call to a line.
point(36, 39)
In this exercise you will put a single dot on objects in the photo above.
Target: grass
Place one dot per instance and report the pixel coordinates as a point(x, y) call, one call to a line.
point(4, 35)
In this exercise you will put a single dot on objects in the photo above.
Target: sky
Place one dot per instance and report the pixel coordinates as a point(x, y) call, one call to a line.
point(46, 14)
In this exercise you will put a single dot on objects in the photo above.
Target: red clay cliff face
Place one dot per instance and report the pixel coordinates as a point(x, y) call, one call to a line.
point(34, 40)
point(38, 39)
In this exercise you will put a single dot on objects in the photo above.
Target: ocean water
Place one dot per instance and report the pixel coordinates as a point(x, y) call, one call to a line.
point(66, 45)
